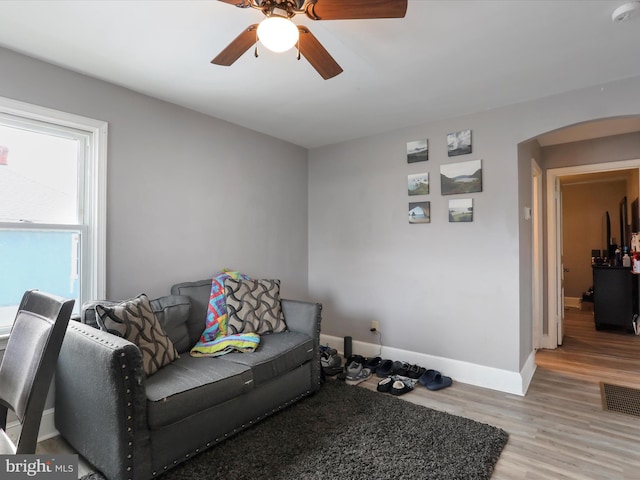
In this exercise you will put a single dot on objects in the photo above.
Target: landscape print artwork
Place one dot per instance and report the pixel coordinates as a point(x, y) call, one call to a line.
point(417, 151)
point(461, 210)
point(459, 143)
point(418, 184)
point(419, 212)
point(462, 177)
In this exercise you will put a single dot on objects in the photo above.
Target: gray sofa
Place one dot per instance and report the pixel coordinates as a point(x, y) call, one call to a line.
point(130, 426)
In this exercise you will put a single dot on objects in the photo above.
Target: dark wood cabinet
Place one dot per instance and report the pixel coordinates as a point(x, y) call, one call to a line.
point(615, 296)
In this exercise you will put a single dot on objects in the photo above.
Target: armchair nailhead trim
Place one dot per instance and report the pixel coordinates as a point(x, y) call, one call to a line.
point(81, 329)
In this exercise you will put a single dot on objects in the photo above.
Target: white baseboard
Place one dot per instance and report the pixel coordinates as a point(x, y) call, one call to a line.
point(47, 427)
point(572, 302)
point(487, 377)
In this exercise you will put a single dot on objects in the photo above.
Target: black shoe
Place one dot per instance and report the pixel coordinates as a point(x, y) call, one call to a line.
point(385, 368)
point(384, 385)
point(372, 363)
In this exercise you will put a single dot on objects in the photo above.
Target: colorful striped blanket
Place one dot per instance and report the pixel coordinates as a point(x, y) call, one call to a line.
point(214, 341)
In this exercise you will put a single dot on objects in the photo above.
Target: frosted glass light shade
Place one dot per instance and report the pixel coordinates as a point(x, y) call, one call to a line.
point(278, 34)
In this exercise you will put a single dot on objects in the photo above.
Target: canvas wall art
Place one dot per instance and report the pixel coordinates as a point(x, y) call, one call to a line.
point(417, 151)
point(418, 184)
point(461, 210)
point(459, 143)
point(462, 177)
point(419, 212)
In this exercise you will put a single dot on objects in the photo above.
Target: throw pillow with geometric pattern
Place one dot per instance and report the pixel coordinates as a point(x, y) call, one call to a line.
point(253, 306)
point(134, 320)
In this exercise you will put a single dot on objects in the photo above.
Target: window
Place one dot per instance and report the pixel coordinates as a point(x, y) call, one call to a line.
point(52, 206)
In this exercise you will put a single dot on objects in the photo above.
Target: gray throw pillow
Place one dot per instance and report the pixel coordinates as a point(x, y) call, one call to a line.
point(253, 306)
point(134, 320)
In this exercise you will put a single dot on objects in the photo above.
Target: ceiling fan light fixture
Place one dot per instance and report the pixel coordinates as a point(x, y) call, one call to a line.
point(278, 34)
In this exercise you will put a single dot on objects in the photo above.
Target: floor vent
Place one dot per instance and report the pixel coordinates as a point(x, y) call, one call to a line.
point(616, 398)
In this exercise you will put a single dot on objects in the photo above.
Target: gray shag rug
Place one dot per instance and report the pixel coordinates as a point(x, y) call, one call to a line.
point(348, 432)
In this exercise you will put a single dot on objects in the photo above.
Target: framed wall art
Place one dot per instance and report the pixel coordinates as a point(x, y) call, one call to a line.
point(459, 143)
point(419, 212)
point(462, 177)
point(418, 184)
point(417, 151)
point(461, 210)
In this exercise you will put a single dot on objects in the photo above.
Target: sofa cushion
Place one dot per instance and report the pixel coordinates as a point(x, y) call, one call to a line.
point(198, 293)
point(253, 306)
point(134, 320)
point(278, 353)
point(172, 311)
point(190, 385)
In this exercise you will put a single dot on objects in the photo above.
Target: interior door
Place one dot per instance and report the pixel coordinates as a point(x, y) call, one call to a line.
point(560, 266)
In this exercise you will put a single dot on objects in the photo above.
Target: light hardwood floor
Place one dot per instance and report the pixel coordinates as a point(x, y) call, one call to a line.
point(559, 429)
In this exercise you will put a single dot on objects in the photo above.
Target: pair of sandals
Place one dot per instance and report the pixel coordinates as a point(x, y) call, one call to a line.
point(434, 380)
point(396, 385)
point(404, 369)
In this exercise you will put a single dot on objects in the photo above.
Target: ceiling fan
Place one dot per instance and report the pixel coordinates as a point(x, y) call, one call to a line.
point(278, 15)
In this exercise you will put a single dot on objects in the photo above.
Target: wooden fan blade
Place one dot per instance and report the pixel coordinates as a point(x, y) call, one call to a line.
point(317, 55)
point(356, 9)
point(236, 49)
point(237, 3)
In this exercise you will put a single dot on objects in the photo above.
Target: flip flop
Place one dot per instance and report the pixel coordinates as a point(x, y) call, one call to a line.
point(439, 382)
point(427, 377)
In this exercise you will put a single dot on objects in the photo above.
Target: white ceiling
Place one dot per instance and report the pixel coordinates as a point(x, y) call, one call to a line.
point(446, 58)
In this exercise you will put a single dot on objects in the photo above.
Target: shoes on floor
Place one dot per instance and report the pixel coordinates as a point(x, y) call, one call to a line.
point(356, 373)
point(385, 368)
point(439, 382)
point(372, 363)
point(330, 361)
point(415, 371)
point(402, 385)
point(427, 377)
point(396, 385)
point(385, 384)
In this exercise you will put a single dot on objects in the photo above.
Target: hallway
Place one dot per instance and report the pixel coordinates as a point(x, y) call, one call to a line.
point(612, 355)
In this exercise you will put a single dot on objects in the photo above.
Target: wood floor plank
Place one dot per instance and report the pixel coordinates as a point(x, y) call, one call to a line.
point(559, 429)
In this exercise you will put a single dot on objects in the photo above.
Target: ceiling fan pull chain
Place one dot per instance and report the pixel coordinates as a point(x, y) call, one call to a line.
point(298, 45)
point(255, 52)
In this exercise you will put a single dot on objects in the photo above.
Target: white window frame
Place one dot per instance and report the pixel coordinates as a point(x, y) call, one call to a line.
point(94, 197)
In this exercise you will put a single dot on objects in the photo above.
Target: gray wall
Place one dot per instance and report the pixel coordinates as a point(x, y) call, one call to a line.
point(614, 148)
point(187, 194)
point(450, 290)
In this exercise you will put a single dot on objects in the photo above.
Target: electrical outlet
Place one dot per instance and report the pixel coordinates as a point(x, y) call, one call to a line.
point(375, 326)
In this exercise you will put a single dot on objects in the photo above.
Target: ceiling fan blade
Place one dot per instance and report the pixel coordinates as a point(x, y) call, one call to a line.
point(317, 55)
point(236, 49)
point(237, 3)
point(356, 9)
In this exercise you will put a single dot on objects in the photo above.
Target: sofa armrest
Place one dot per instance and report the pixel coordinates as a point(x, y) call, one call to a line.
point(100, 401)
point(305, 317)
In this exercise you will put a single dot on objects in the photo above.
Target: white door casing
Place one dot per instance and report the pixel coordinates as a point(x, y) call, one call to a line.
point(555, 298)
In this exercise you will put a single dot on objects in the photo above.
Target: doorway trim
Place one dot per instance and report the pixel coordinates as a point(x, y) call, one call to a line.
point(537, 281)
point(554, 230)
